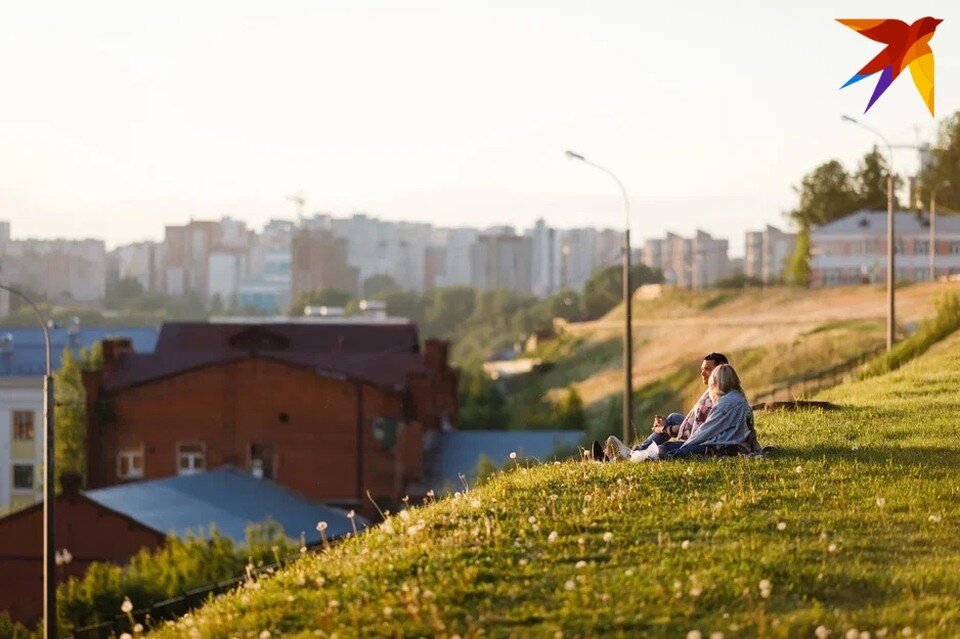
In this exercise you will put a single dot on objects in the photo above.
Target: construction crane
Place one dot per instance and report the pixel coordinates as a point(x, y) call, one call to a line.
point(298, 199)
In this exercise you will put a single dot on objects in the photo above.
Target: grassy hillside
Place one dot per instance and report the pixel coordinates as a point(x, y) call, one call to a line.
point(771, 335)
point(853, 526)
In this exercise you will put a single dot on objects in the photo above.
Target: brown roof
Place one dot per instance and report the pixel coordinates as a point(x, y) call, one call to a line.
point(384, 355)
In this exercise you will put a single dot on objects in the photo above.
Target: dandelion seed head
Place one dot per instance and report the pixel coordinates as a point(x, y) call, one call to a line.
point(716, 635)
point(798, 469)
point(570, 585)
point(608, 537)
point(694, 634)
point(265, 634)
point(782, 525)
point(581, 541)
point(531, 519)
point(628, 572)
point(907, 631)
point(351, 514)
point(881, 502)
point(832, 548)
point(822, 632)
point(552, 537)
point(853, 633)
point(321, 526)
point(127, 606)
point(387, 611)
point(685, 544)
point(513, 455)
point(475, 503)
point(405, 515)
point(126, 635)
point(580, 565)
point(934, 518)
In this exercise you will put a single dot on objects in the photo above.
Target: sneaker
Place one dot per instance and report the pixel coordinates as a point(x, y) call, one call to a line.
point(597, 451)
point(616, 449)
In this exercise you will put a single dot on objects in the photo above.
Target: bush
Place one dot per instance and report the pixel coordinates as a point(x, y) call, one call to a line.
point(166, 572)
point(931, 331)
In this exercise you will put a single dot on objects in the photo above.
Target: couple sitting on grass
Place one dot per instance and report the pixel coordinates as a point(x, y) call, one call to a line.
point(720, 424)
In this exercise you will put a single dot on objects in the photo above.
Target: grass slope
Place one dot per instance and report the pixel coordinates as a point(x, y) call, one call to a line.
point(852, 526)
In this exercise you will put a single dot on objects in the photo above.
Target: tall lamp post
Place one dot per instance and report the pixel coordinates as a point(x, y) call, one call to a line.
point(49, 487)
point(628, 311)
point(891, 259)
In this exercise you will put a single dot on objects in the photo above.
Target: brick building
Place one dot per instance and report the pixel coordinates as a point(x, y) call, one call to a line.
point(319, 260)
point(330, 410)
point(88, 530)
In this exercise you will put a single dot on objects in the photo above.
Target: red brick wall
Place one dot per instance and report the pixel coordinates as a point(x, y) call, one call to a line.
point(231, 405)
point(89, 531)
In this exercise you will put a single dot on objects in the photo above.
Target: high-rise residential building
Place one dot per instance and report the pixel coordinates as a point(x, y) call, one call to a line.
point(766, 253)
point(266, 288)
point(62, 270)
point(853, 249)
point(320, 260)
point(142, 261)
point(697, 262)
point(453, 255)
point(500, 259)
point(545, 245)
point(583, 251)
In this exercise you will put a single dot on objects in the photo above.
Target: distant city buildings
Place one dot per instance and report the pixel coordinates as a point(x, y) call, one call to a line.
point(853, 249)
point(696, 263)
point(501, 259)
point(766, 253)
point(60, 270)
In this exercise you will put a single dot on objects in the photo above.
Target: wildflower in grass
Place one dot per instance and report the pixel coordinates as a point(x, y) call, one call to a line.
point(265, 634)
point(694, 634)
point(552, 537)
point(822, 632)
point(138, 628)
point(387, 612)
point(765, 588)
point(907, 631)
point(388, 527)
point(553, 497)
point(457, 495)
point(934, 518)
point(881, 502)
point(431, 494)
point(782, 525)
point(334, 603)
point(685, 544)
point(127, 606)
point(853, 633)
point(322, 529)
point(832, 548)
point(628, 572)
point(798, 469)
point(531, 519)
point(405, 515)
point(126, 635)
point(513, 455)
point(581, 541)
point(716, 635)
point(865, 634)
point(580, 565)
point(475, 503)
point(570, 585)
point(352, 515)
point(608, 537)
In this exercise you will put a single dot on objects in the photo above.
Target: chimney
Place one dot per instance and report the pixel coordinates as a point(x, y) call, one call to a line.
point(114, 348)
point(435, 353)
point(70, 484)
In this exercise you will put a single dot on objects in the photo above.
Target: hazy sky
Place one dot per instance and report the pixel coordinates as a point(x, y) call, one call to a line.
point(119, 117)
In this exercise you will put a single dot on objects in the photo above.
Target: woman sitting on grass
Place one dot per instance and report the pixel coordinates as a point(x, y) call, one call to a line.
point(728, 431)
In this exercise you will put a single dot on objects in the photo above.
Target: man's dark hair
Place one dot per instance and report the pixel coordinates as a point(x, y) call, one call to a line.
point(717, 358)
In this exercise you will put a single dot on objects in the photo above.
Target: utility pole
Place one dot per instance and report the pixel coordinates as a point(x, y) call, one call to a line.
point(933, 236)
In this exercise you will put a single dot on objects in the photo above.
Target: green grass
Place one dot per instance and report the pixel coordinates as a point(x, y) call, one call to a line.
point(853, 524)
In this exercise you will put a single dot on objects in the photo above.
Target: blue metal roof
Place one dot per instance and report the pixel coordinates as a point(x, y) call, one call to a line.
point(27, 355)
point(227, 498)
point(461, 450)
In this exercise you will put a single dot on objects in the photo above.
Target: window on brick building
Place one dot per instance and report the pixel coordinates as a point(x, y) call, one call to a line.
point(23, 424)
point(23, 476)
point(130, 462)
point(191, 458)
point(261, 461)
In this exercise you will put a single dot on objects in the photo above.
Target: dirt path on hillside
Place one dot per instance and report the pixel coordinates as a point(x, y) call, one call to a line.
point(775, 316)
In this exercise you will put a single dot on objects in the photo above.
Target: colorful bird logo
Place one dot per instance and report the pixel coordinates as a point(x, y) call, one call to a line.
point(907, 46)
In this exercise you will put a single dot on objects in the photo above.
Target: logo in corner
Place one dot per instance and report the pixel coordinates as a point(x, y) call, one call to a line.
point(907, 46)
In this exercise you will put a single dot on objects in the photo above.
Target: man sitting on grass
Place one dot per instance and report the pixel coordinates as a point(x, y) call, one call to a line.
point(674, 426)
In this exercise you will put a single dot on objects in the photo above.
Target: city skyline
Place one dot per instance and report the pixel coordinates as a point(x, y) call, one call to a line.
point(201, 113)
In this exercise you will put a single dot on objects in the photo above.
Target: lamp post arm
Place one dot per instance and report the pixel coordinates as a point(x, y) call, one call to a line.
point(36, 311)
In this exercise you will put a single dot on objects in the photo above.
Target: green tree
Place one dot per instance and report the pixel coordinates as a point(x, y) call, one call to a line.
point(482, 406)
point(870, 183)
point(402, 303)
point(451, 307)
point(571, 415)
point(121, 292)
point(70, 417)
point(604, 289)
point(318, 297)
point(378, 285)
point(942, 173)
point(798, 268)
point(827, 193)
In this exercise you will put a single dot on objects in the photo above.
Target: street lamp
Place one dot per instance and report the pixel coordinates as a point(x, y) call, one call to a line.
point(49, 489)
point(891, 259)
point(628, 312)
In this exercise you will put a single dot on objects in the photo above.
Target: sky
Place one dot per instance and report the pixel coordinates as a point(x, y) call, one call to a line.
point(119, 117)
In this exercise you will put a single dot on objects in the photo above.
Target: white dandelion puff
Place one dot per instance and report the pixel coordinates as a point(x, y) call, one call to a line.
point(782, 525)
point(127, 606)
point(822, 632)
point(685, 544)
point(570, 585)
point(552, 537)
point(694, 634)
point(608, 537)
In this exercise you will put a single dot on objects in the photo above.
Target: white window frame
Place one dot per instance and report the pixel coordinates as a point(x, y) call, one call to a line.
point(130, 453)
point(13, 424)
point(193, 456)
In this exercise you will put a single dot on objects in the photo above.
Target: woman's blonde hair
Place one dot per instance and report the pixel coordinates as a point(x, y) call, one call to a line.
point(723, 380)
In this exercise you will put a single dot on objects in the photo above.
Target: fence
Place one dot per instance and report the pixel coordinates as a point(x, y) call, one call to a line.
point(803, 385)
